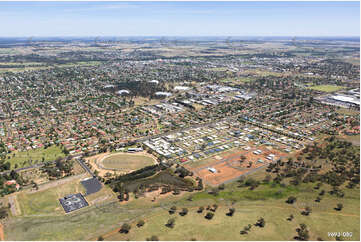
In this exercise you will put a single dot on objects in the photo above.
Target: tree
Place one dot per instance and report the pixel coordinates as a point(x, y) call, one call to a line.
point(200, 209)
point(100, 238)
point(172, 210)
point(3, 213)
point(338, 238)
point(170, 223)
point(261, 222)
point(125, 228)
point(248, 227)
point(215, 206)
point(339, 207)
point(307, 211)
point(231, 212)
point(242, 159)
point(302, 232)
point(140, 223)
point(290, 218)
point(153, 238)
point(183, 212)
point(291, 200)
point(209, 215)
point(318, 199)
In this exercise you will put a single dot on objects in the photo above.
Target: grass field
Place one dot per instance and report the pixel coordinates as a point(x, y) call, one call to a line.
point(347, 111)
point(106, 219)
point(22, 158)
point(46, 202)
point(354, 139)
point(275, 211)
point(127, 161)
point(326, 88)
point(237, 80)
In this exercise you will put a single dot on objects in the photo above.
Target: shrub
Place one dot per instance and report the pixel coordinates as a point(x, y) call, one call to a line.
point(261, 222)
point(231, 212)
point(339, 207)
point(183, 212)
point(209, 215)
point(170, 223)
point(153, 238)
point(302, 232)
point(291, 200)
point(307, 211)
point(172, 209)
point(140, 223)
point(125, 228)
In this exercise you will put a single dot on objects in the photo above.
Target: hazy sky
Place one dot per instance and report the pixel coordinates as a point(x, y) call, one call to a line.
point(179, 18)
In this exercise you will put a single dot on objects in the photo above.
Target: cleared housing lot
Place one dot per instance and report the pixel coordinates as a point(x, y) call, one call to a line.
point(227, 166)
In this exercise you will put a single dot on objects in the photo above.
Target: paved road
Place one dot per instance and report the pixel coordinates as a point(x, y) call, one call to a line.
point(25, 168)
point(86, 167)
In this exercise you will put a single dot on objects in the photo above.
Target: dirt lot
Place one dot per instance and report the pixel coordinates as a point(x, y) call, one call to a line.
point(228, 166)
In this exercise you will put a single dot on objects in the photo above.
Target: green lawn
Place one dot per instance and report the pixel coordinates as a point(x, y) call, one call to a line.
point(326, 88)
point(22, 158)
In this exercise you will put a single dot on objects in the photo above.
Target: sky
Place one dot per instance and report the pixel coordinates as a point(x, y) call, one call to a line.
point(39, 19)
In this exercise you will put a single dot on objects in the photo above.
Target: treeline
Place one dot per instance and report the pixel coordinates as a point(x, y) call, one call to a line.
point(5, 187)
point(59, 168)
point(152, 178)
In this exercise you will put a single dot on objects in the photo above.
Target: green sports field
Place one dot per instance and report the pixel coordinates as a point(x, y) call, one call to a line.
point(326, 88)
point(127, 162)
